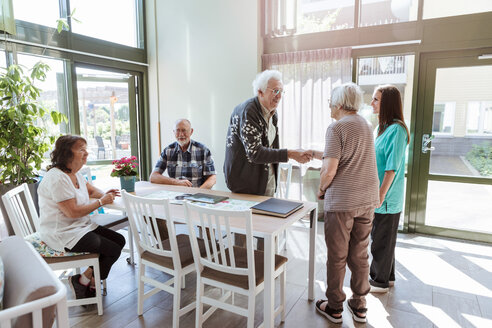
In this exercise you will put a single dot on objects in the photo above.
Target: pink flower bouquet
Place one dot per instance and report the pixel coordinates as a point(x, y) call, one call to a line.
point(125, 167)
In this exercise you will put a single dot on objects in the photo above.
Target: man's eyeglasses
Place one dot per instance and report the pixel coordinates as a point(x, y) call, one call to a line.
point(276, 92)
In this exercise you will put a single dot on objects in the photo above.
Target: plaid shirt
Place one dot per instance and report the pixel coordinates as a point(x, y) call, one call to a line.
point(195, 164)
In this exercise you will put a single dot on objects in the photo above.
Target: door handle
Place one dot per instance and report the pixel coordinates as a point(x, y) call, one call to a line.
point(426, 140)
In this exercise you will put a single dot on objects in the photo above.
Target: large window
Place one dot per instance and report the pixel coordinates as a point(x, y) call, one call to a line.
point(288, 17)
point(53, 89)
point(110, 20)
point(379, 12)
point(446, 8)
point(324, 15)
point(107, 118)
point(44, 12)
point(104, 113)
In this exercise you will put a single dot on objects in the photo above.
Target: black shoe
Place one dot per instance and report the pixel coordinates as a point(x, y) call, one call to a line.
point(78, 289)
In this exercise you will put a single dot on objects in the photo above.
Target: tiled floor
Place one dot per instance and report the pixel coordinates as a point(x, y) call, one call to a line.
point(440, 283)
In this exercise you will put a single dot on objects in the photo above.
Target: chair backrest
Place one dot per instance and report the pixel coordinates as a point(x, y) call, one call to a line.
point(283, 167)
point(86, 172)
point(143, 214)
point(310, 187)
point(100, 142)
point(217, 223)
point(20, 217)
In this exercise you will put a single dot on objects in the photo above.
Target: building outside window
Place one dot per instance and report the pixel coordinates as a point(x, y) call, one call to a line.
point(443, 121)
point(479, 118)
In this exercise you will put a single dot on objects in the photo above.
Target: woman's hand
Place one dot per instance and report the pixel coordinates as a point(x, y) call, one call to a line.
point(107, 198)
point(321, 194)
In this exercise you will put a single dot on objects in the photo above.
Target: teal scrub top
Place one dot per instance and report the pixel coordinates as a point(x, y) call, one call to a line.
point(390, 156)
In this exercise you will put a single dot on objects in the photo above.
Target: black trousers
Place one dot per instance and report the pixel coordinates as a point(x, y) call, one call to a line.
point(383, 235)
point(106, 242)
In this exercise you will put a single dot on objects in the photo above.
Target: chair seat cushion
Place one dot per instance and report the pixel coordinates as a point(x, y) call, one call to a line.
point(241, 260)
point(185, 252)
point(44, 250)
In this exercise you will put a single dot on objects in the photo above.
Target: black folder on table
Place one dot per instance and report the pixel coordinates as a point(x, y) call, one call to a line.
point(205, 198)
point(276, 207)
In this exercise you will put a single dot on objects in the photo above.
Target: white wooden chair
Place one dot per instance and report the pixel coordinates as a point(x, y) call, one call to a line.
point(230, 268)
point(283, 188)
point(111, 221)
point(172, 256)
point(20, 218)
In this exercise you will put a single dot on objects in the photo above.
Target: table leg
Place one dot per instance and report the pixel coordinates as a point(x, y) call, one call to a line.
point(131, 260)
point(269, 290)
point(313, 221)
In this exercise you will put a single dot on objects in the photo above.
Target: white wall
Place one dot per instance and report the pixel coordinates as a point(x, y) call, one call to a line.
point(201, 63)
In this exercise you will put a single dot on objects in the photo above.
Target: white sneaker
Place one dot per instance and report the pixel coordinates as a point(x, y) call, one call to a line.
point(375, 289)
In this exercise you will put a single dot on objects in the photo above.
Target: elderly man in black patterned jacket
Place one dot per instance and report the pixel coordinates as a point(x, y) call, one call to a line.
point(252, 146)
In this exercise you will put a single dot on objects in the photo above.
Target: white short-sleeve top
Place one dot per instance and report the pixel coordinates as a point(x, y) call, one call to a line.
point(56, 229)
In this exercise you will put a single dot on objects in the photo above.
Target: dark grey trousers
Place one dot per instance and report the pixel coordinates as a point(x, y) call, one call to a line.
point(383, 235)
point(347, 240)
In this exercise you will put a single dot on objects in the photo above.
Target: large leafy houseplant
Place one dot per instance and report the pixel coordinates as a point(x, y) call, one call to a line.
point(23, 141)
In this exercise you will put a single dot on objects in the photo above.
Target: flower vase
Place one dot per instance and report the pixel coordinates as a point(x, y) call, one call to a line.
point(128, 183)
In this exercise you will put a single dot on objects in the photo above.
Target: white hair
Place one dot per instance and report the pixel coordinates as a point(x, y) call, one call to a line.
point(182, 120)
point(348, 96)
point(262, 79)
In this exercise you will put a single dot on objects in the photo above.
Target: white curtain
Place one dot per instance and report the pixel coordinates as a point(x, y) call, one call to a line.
point(308, 77)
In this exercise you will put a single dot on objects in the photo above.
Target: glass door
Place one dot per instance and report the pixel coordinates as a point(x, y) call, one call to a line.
point(453, 146)
point(107, 118)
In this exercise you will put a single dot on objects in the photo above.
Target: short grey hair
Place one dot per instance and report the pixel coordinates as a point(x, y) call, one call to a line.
point(348, 96)
point(182, 120)
point(261, 80)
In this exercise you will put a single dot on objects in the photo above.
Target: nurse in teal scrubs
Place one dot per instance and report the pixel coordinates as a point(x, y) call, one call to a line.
point(392, 138)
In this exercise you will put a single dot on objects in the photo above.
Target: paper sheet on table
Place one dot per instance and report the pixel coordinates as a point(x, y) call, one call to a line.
point(228, 204)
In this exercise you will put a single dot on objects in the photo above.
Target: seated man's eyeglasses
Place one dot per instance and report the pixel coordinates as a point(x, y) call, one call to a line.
point(277, 91)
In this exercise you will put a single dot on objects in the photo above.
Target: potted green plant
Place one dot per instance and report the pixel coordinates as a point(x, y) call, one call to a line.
point(23, 141)
point(126, 169)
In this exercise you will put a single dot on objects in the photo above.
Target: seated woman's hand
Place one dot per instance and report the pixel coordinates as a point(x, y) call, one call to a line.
point(107, 198)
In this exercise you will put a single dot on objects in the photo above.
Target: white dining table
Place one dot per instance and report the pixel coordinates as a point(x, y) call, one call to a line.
point(267, 227)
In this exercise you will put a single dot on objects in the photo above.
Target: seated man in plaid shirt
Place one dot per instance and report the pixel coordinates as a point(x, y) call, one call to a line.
point(188, 163)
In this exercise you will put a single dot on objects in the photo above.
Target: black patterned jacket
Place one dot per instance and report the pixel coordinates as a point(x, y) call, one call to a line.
point(247, 149)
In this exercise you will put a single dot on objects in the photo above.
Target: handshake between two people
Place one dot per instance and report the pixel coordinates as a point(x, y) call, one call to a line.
point(303, 156)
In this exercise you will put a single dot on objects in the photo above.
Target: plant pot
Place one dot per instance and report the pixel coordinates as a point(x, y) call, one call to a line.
point(128, 183)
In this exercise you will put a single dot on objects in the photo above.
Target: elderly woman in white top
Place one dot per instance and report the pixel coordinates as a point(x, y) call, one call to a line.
point(65, 201)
